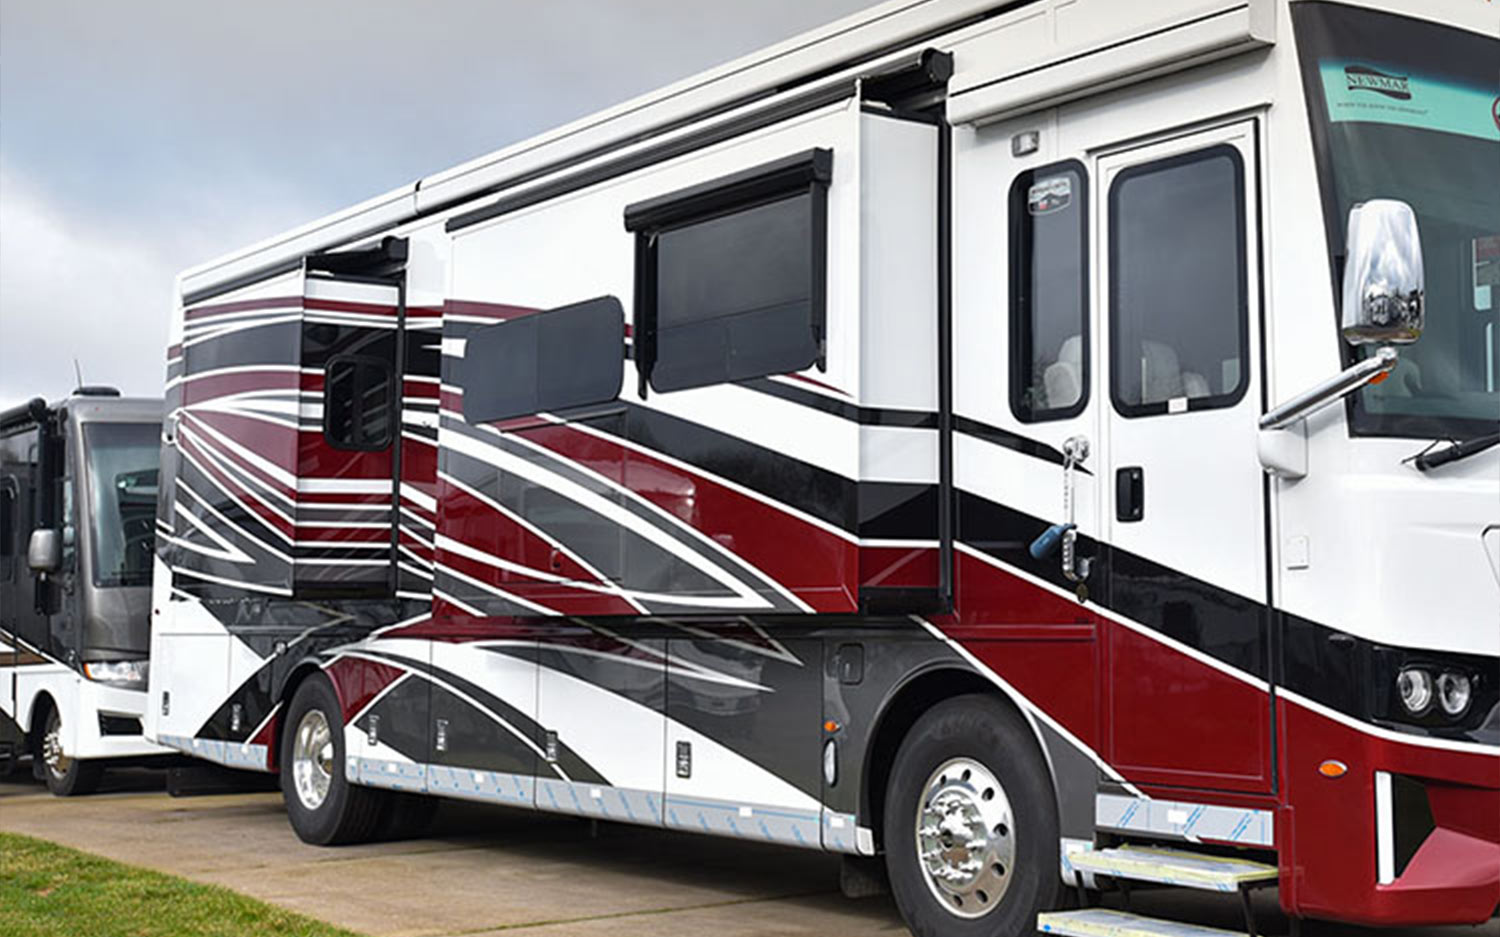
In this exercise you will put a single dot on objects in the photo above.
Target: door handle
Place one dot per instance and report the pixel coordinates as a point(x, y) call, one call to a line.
point(1130, 494)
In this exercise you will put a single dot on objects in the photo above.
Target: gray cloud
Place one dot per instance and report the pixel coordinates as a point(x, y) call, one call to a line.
point(137, 139)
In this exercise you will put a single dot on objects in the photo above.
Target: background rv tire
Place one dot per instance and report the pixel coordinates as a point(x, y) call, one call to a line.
point(65, 777)
point(348, 813)
point(981, 731)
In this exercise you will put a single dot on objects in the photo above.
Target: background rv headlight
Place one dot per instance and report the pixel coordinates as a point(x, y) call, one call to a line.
point(1454, 691)
point(1415, 686)
point(127, 674)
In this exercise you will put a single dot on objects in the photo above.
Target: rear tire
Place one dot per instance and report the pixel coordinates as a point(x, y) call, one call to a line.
point(971, 832)
point(65, 777)
point(323, 807)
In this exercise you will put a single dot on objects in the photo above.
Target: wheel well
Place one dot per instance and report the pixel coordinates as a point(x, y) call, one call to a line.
point(901, 712)
point(43, 705)
point(284, 699)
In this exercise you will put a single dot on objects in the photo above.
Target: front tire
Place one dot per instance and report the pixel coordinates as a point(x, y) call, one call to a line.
point(971, 832)
point(323, 807)
point(65, 776)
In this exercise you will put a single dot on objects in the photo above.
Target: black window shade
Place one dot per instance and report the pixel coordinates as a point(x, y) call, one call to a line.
point(731, 275)
point(550, 361)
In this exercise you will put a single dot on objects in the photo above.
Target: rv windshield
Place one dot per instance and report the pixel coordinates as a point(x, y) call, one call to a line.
point(122, 461)
point(1411, 110)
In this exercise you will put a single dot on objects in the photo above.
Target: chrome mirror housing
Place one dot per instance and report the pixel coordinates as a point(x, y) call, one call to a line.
point(44, 550)
point(1384, 292)
point(1384, 288)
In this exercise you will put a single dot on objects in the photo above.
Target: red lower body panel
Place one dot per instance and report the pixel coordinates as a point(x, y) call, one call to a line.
point(1329, 842)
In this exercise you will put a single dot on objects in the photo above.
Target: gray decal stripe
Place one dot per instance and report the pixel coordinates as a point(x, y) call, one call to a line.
point(471, 470)
point(593, 537)
point(569, 763)
point(776, 688)
point(448, 585)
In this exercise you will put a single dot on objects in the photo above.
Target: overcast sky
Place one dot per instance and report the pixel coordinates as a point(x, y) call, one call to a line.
point(140, 138)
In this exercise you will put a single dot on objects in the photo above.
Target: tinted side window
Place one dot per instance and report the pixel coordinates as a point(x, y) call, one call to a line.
point(730, 276)
point(550, 361)
point(7, 518)
point(358, 403)
point(1049, 334)
point(1177, 284)
point(7, 535)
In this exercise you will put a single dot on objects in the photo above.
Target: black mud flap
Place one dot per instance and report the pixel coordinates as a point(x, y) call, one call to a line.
point(201, 779)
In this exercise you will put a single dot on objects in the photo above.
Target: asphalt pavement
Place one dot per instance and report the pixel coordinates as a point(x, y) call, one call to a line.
point(490, 871)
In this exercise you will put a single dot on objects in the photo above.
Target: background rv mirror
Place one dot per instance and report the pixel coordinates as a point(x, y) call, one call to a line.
point(1384, 288)
point(44, 551)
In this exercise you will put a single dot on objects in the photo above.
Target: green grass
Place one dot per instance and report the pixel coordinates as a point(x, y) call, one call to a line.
point(46, 889)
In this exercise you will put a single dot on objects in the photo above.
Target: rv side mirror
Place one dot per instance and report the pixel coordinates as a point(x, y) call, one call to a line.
point(44, 551)
point(1384, 292)
point(1383, 282)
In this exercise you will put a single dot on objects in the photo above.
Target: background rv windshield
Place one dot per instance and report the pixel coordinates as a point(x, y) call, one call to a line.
point(1411, 110)
point(122, 470)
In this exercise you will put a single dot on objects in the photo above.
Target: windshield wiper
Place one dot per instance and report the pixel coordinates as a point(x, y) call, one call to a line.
point(1459, 450)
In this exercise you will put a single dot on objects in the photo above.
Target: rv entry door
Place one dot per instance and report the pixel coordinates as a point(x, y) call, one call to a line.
point(1183, 495)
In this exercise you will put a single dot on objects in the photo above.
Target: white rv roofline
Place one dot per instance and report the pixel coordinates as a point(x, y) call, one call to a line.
point(890, 28)
point(881, 27)
point(941, 13)
point(268, 245)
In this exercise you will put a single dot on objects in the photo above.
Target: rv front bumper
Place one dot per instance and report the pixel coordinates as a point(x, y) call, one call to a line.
point(108, 724)
point(1409, 835)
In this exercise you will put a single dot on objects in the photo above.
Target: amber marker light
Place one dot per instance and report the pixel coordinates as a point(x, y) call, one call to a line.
point(831, 726)
point(1333, 769)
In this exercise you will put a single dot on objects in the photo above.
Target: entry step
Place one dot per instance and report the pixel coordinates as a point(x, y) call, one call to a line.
point(1106, 922)
point(1174, 867)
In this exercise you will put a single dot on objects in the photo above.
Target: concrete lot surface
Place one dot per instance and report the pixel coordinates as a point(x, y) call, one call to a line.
point(483, 871)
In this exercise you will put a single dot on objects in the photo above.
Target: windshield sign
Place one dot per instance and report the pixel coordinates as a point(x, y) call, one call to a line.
point(1387, 94)
point(1410, 110)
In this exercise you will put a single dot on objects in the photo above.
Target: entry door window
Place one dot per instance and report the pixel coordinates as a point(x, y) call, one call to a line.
point(1049, 338)
point(1177, 284)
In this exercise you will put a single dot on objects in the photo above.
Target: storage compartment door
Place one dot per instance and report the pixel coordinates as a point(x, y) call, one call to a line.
point(189, 684)
point(744, 726)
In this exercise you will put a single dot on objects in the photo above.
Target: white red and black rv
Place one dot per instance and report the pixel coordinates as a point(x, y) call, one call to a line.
point(77, 509)
point(1012, 439)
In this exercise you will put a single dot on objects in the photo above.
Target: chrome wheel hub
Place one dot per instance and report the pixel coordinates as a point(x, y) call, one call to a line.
point(52, 750)
point(965, 841)
point(312, 759)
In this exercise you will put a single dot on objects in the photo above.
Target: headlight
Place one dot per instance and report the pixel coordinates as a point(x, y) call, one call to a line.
point(1454, 691)
point(127, 674)
point(1415, 686)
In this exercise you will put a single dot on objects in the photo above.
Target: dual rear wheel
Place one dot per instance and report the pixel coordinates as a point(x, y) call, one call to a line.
point(323, 807)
